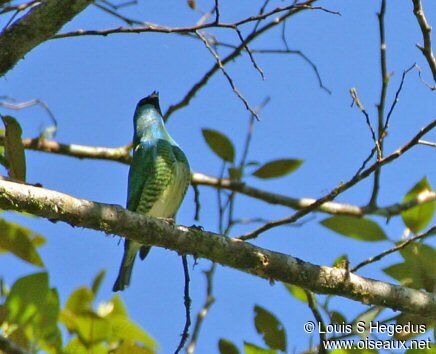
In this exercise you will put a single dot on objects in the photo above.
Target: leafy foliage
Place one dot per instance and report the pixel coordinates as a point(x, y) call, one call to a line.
point(358, 228)
point(419, 217)
point(274, 335)
point(219, 144)
point(20, 241)
point(14, 149)
point(277, 168)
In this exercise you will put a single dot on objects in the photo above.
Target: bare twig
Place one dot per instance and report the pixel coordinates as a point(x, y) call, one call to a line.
point(250, 54)
point(34, 102)
point(311, 300)
point(356, 100)
point(226, 74)
point(398, 247)
point(190, 349)
point(343, 186)
point(187, 302)
point(381, 105)
point(427, 143)
point(426, 35)
point(396, 99)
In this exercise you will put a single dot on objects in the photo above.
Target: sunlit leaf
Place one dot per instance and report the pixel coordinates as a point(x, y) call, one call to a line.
point(220, 144)
point(20, 241)
point(297, 292)
point(92, 329)
point(75, 346)
point(417, 271)
point(277, 168)
point(124, 329)
point(132, 348)
point(28, 296)
point(419, 217)
point(14, 149)
point(80, 301)
point(97, 281)
point(250, 348)
point(227, 347)
point(357, 228)
point(271, 329)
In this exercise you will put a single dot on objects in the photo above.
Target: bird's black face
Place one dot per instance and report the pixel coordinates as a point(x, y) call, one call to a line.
point(152, 99)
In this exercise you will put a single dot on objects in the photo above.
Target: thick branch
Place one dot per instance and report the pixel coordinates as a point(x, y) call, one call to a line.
point(121, 154)
point(38, 25)
point(426, 35)
point(113, 219)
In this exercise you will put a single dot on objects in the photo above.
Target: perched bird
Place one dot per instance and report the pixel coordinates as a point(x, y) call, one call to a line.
point(158, 178)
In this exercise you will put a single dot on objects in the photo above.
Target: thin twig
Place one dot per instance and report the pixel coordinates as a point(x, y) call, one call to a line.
point(190, 349)
point(426, 35)
point(226, 74)
point(427, 143)
point(398, 247)
point(343, 186)
point(396, 99)
point(311, 300)
point(356, 100)
point(187, 302)
point(250, 54)
point(381, 105)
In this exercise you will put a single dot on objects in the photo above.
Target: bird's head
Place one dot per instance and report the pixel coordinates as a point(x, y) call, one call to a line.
point(151, 100)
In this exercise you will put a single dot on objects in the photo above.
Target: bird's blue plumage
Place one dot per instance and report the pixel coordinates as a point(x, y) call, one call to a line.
point(158, 178)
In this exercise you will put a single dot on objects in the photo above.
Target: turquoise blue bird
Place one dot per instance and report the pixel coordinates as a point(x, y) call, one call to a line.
point(158, 178)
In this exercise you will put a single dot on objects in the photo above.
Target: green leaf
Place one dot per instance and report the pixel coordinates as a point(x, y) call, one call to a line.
point(277, 168)
point(220, 144)
point(420, 322)
point(417, 271)
point(124, 329)
point(92, 329)
point(28, 296)
point(296, 292)
point(14, 149)
point(235, 173)
point(227, 347)
point(271, 329)
point(118, 308)
point(341, 261)
point(20, 241)
point(419, 217)
point(97, 282)
point(75, 346)
point(132, 348)
point(357, 228)
point(250, 348)
point(80, 300)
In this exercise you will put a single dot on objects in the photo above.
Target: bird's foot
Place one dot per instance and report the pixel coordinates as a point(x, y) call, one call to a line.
point(197, 227)
point(171, 221)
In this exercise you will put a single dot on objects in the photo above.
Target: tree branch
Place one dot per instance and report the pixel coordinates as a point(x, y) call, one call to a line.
point(9, 347)
point(121, 154)
point(426, 35)
point(113, 219)
point(37, 26)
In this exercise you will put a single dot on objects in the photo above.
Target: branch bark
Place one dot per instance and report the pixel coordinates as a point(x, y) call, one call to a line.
point(426, 35)
point(121, 154)
point(113, 219)
point(40, 24)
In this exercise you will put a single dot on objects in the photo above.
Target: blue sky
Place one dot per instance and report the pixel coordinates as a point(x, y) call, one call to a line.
point(92, 85)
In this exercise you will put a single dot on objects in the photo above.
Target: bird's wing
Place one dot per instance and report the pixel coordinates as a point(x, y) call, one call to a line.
point(141, 172)
point(181, 158)
point(150, 174)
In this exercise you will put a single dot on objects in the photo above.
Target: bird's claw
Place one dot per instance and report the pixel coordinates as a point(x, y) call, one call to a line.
point(197, 227)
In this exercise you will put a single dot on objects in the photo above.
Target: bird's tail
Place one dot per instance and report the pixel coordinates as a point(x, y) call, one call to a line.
point(125, 272)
